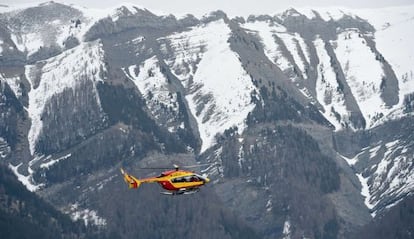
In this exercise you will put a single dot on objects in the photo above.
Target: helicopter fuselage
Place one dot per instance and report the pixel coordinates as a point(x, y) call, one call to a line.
point(174, 181)
point(177, 180)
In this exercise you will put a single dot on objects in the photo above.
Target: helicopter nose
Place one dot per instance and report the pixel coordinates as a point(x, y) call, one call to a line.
point(206, 180)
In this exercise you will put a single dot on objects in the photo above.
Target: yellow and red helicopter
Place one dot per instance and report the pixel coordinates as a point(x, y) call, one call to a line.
point(175, 181)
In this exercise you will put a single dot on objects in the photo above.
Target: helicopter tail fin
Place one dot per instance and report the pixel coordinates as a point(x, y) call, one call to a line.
point(130, 180)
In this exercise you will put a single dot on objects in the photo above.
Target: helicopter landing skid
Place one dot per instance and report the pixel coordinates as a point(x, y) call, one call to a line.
point(181, 192)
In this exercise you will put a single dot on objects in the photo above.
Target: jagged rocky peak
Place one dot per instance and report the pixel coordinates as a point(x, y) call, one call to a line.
point(239, 20)
point(320, 14)
point(214, 16)
point(291, 12)
point(264, 18)
point(189, 20)
point(128, 10)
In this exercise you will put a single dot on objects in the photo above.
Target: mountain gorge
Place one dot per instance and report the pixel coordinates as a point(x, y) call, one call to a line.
point(305, 116)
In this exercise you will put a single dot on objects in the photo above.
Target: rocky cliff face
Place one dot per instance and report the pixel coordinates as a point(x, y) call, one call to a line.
point(305, 115)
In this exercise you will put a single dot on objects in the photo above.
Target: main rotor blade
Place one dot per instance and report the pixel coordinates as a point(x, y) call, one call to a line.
point(197, 165)
point(175, 166)
point(155, 168)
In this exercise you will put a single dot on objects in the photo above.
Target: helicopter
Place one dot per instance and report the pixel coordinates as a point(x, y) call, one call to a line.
point(174, 181)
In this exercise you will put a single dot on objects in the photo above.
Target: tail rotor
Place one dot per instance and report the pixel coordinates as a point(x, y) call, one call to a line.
point(130, 180)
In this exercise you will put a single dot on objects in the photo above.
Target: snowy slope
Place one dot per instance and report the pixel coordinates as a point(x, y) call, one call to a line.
point(393, 39)
point(265, 32)
point(219, 89)
point(66, 70)
point(363, 73)
point(390, 175)
point(296, 46)
point(327, 93)
point(154, 87)
point(292, 42)
point(393, 175)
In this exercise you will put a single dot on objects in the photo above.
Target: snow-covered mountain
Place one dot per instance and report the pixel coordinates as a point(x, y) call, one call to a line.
point(306, 103)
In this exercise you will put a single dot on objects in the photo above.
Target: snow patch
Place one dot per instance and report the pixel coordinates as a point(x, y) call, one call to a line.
point(287, 230)
point(4, 148)
point(350, 161)
point(27, 181)
point(102, 183)
point(373, 152)
point(331, 13)
point(134, 41)
point(54, 161)
point(307, 12)
point(14, 83)
point(269, 205)
point(35, 160)
point(394, 204)
point(88, 216)
point(240, 156)
point(30, 42)
point(1, 47)
point(365, 191)
point(216, 168)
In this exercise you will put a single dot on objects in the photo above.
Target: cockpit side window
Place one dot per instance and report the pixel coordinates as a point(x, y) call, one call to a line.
point(191, 178)
point(177, 180)
point(194, 178)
